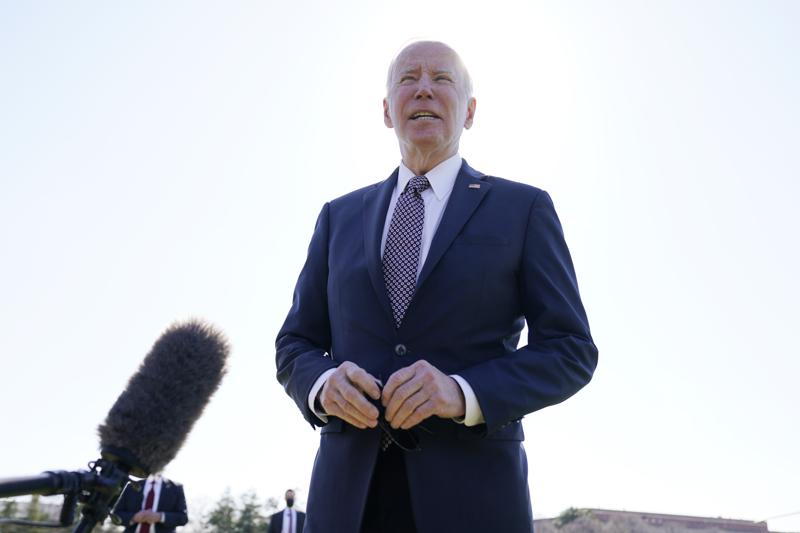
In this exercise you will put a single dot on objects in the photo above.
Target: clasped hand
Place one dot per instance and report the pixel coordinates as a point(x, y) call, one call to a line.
point(410, 395)
point(146, 516)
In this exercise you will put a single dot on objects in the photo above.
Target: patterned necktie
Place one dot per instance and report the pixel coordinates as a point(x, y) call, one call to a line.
point(401, 253)
point(148, 505)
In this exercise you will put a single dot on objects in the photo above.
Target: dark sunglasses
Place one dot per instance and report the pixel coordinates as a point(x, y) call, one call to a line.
point(405, 439)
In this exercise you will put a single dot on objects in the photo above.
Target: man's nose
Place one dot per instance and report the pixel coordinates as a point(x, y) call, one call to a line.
point(424, 89)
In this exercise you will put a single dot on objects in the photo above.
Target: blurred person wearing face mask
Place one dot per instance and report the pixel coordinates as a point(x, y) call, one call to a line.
point(289, 520)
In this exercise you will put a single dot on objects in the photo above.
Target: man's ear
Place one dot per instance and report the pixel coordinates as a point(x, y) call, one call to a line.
point(386, 118)
point(470, 113)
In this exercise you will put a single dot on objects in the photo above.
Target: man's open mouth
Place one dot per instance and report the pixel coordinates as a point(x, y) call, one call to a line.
point(424, 115)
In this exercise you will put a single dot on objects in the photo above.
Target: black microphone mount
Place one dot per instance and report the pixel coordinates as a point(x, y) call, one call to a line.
point(97, 489)
point(144, 429)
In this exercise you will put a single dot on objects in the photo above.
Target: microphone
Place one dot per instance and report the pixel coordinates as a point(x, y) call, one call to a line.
point(145, 427)
point(153, 416)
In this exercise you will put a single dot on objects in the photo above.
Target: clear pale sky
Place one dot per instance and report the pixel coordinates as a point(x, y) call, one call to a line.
point(166, 160)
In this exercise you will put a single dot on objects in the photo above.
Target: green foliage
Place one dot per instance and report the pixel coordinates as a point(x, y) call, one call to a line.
point(245, 514)
point(250, 520)
point(223, 517)
point(9, 509)
point(582, 521)
point(272, 505)
point(37, 509)
point(249, 515)
point(568, 515)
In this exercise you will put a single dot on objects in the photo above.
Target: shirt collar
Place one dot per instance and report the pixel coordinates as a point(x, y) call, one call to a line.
point(153, 480)
point(441, 177)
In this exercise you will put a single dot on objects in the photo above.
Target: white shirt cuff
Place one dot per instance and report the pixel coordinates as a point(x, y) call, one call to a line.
point(315, 390)
point(472, 411)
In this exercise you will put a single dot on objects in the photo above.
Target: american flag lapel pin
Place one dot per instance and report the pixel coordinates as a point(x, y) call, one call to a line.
point(474, 185)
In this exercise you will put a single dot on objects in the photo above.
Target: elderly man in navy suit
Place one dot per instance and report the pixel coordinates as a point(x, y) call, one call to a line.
point(402, 338)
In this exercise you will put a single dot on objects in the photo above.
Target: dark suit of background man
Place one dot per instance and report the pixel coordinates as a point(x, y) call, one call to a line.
point(289, 520)
point(446, 366)
point(162, 512)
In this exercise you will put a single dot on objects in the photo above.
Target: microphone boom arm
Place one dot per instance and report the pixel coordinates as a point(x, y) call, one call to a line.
point(98, 490)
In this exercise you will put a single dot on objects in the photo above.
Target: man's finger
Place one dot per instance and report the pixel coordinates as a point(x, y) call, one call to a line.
point(396, 380)
point(343, 398)
point(401, 395)
point(419, 414)
point(362, 380)
point(340, 398)
point(341, 408)
point(336, 404)
point(407, 407)
point(358, 403)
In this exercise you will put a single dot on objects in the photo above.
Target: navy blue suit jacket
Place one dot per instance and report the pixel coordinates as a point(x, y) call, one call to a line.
point(171, 502)
point(497, 259)
point(276, 522)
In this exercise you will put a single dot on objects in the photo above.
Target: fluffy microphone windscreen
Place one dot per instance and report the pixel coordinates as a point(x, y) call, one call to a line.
point(154, 414)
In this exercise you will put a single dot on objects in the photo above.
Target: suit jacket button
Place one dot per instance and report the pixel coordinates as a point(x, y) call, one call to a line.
point(400, 350)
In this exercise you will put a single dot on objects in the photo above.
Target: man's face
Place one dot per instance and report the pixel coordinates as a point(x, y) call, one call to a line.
point(427, 104)
point(289, 498)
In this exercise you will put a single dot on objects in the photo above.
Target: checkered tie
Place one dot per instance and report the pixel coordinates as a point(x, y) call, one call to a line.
point(401, 253)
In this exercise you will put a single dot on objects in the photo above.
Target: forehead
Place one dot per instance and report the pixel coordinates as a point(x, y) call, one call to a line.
point(427, 56)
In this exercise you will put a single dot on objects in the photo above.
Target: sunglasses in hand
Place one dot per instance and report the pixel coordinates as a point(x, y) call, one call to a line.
point(405, 439)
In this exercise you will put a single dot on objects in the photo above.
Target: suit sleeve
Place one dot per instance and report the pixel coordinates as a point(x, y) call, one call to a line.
point(177, 514)
point(275, 523)
point(126, 506)
point(305, 338)
point(560, 356)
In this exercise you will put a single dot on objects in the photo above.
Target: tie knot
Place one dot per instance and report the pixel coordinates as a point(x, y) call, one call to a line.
point(417, 184)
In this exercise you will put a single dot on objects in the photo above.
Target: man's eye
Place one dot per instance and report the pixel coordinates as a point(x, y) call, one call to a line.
point(444, 78)
point(406, 78)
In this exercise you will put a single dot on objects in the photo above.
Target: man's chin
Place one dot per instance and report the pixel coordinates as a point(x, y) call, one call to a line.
point(426, 141)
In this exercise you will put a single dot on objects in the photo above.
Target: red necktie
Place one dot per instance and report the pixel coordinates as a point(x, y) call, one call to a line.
point(148, 506)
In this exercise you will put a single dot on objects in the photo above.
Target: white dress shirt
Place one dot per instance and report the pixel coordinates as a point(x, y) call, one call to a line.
point(155, 481)
point(289, 519)
point(441, 178)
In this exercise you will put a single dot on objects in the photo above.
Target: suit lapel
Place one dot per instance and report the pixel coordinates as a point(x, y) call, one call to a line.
point(163, 497)
point(468, 192)
point(376, 203)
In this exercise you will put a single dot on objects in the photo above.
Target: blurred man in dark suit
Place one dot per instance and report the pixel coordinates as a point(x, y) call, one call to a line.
point(289, 520)
point(156, 506)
